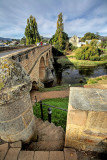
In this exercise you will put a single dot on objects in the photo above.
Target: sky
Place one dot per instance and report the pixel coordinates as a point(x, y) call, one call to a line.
point(79, 16)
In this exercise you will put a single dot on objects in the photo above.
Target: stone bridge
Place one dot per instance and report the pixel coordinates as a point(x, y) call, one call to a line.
point(37, 61)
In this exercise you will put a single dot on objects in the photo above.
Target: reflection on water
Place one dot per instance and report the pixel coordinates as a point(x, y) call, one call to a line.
point(74, 75)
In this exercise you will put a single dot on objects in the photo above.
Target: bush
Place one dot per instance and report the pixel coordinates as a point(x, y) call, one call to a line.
point(88, 52)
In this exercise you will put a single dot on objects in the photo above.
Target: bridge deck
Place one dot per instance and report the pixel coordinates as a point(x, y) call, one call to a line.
point(4, 53)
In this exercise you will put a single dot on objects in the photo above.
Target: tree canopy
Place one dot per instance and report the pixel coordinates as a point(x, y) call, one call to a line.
point(89, 52)
point(89, 36)
point(60, 37)
point(31, 31)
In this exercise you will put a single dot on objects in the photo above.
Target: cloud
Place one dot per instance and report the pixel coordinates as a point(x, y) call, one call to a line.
point(80, 16)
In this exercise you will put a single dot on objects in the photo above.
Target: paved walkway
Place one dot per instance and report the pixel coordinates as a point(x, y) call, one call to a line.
point(4, 53)
point(13, 152)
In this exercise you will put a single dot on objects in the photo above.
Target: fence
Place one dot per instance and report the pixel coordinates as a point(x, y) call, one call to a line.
point(42, 109)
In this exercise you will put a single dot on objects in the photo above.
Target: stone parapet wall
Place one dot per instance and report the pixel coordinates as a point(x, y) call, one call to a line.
point(30, 59)
point(87, 119)
point(16, 115)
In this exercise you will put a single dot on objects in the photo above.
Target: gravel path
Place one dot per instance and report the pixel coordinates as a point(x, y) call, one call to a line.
point(47, 95)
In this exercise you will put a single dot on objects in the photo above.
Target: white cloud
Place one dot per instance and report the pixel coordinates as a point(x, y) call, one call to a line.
point(80, 16)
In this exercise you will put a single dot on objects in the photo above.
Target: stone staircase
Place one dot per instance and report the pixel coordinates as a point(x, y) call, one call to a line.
point(49, 137)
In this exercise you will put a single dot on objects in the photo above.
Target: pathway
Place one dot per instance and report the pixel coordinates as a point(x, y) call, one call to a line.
point(47, 95)
point(4, 53)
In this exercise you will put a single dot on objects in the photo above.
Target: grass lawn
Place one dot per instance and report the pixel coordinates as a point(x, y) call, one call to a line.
point(97, 79)
point(60, 88)
point(59, 117)
point(80, 63)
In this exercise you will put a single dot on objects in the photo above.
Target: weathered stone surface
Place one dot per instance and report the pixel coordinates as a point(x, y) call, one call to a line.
point(14, 126)
point(16, 144)
point(17, 70)
point(28, 116)
point(97, 120)
point(77, 117)
point(70, 154)
point(56, 155)
point(41, 155)
point(13, 110)
point(25, 135)
point(26, 155)
point(87, 120)
point(88, 99)
point(3, 150)
point(12, 154)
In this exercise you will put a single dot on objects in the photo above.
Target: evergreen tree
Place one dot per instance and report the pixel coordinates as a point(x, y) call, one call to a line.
point(31, 31)
point(60, 37)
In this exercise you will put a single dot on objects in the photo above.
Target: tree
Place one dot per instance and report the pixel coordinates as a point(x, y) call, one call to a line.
point(60, 37)
point(88, 52)
point(23, 41)
point(89, 36)
point(31, 31)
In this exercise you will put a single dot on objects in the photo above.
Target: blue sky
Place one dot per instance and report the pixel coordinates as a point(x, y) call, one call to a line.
point(79, 16)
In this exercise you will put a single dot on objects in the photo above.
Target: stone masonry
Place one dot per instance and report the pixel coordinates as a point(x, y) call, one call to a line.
point(16, 116)
point(18, 71)
point(30, 59)
point(87, 119)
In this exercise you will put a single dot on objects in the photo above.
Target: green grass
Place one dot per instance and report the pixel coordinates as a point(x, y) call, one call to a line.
point(95, 80)
point(56, 88)
point(59, 117)
point(80, 63)
point(60, 88)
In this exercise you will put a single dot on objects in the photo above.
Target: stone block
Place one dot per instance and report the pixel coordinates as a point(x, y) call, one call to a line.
point(26, 155)
point(14, 126)
point(77, 117)
point(97, 120)
point(12, 154)
point(70, 154)
point(56, 155)
point(16, 144)
point(41, 155)
point(3, 150)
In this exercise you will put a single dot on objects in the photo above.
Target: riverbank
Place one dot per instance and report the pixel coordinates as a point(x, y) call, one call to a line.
point(47, 93)
point(71, 60)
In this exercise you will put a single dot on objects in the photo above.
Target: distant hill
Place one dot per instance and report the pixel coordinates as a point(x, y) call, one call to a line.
point(5, 39)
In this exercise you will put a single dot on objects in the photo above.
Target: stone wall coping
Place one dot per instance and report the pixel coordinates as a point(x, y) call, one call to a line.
point(19, 53)
point(88, 99)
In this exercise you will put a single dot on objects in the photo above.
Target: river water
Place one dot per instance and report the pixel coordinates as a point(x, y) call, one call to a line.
point(73, 75)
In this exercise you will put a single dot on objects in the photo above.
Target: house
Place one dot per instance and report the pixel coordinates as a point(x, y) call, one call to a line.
point(76, 41)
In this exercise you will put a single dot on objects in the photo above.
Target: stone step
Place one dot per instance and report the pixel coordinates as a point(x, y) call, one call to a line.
point(3, 150)
point(42, 126)
point(47, 146)
point(26, 155)
point(12, 154)
point(54, 135)
point(41, 155)
point(56, 155)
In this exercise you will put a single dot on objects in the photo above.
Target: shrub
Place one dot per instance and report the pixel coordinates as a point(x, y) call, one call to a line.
point(88, 52)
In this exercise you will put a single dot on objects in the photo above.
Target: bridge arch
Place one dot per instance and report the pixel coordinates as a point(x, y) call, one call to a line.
point(42, 69)
point(47, 59)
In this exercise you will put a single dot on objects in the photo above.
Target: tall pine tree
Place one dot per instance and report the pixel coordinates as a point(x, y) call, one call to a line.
point(60, 37)
point(60, 29)
point(31, 31)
